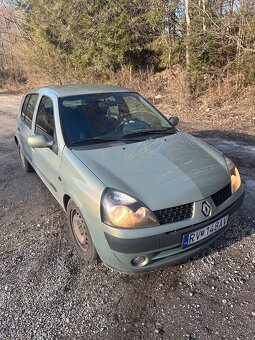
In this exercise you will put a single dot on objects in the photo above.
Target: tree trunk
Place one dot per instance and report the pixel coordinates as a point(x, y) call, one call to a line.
point(187, 33)
point(204, 9)
point(239, 46)
point(187, 16)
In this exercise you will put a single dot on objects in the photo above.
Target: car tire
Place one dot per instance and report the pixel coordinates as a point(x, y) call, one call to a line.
point(79, 233)
point(26, 166)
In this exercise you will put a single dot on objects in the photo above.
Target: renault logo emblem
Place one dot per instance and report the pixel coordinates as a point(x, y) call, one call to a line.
point(206, 209)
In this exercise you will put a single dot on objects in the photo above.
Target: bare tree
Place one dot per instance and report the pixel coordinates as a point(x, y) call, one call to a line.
point(188, 31)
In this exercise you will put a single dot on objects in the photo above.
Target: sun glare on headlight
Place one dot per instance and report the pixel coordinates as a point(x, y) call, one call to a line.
point(235, 176)
point(235, 180)
point(122, 210)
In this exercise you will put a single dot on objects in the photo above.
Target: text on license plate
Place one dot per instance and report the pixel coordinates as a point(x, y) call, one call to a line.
point(200, 234)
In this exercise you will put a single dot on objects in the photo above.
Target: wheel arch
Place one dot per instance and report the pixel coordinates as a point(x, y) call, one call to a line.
point(66, 199)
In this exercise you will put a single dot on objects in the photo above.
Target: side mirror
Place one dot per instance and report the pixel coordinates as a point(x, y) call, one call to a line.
point(174, 120)
point(39, 141)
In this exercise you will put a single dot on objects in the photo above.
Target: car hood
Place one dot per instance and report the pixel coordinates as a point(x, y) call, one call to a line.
point(162, 172)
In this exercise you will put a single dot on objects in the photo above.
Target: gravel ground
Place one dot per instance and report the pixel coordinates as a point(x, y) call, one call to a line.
point(47, 292)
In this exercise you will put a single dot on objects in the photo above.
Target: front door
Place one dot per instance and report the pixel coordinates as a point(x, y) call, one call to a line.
point(47, 160)
point(25, 124)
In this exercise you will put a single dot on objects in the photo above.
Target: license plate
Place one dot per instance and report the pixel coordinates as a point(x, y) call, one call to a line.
point(200, 234)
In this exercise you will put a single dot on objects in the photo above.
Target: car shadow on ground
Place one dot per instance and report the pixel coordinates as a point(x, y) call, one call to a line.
point(226, 135)
point(243, 227)
point(245, 223)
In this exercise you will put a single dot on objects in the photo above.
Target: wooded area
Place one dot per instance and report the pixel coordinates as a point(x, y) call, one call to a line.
point(81, 41)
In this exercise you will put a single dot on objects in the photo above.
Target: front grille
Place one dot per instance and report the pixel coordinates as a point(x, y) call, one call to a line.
point(222, 195)
point(175, 214)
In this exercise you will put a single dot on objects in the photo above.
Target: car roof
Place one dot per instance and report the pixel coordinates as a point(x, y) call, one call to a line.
point(72, 90)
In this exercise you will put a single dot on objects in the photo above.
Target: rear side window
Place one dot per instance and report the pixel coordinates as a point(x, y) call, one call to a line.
point(45, 117)
point(28, 109)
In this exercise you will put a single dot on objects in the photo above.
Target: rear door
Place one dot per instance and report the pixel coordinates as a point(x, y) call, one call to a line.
point(24, 128)
point(47, 160)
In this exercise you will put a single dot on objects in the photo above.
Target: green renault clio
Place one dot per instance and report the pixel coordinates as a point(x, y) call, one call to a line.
point(138, 193)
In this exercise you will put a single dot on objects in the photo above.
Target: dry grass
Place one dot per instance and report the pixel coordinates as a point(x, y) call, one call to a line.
point(222, 106)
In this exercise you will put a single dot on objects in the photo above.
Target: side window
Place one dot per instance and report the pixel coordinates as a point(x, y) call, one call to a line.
point(140, 110)
point(45, 117)
point(28, 109)
point(24, 106)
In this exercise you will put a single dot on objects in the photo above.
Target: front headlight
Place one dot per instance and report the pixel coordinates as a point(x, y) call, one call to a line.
point(234, 173)
point(121, 210)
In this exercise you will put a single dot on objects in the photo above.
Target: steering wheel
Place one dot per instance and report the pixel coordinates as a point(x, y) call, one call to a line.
point(122, 124)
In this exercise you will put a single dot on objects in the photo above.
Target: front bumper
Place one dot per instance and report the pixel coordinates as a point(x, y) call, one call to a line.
point(163, 248)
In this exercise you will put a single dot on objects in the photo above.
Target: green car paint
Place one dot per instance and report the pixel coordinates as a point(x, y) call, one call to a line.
point(163, 172)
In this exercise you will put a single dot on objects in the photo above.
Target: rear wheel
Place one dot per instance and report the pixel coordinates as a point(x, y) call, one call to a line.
point(26, 166)
point(79, 233)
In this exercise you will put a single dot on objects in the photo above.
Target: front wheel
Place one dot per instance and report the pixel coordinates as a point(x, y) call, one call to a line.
point(80, 234)
point(26, 166)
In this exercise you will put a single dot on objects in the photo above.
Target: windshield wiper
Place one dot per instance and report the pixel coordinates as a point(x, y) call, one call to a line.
point(87, 141)
point(123, 137)
point(101, 140)
point(150, 132)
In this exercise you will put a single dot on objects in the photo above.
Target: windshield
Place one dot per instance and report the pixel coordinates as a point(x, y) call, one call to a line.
point(108, 116)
